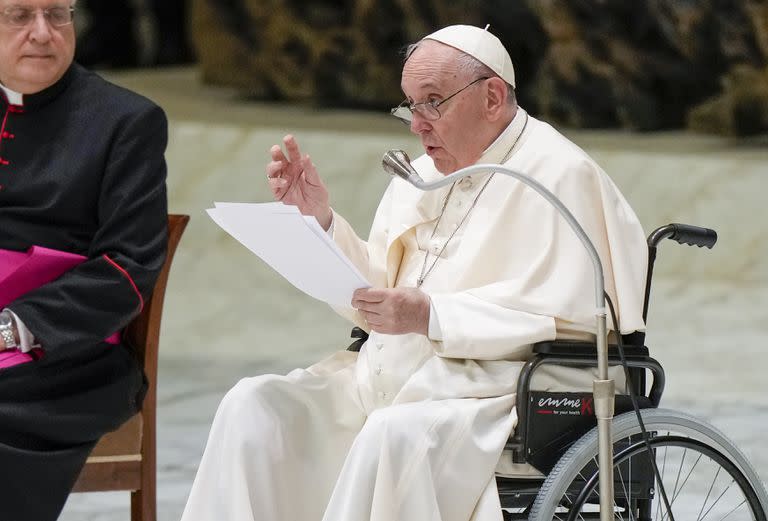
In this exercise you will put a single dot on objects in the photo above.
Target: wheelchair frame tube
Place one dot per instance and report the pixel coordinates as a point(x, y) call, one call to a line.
point(582, 361)
point(603, 388)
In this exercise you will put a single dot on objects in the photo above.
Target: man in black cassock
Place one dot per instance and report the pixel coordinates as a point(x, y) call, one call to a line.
point(81, 171)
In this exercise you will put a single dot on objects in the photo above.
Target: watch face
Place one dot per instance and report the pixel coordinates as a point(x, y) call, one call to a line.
point(5, 319)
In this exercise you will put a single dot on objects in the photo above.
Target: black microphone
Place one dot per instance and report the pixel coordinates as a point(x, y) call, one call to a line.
point(397, 163)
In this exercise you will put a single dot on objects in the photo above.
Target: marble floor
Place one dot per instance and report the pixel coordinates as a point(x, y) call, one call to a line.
point(708, 323)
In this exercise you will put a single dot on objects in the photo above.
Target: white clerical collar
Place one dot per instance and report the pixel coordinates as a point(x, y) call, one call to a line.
point(13, 97)
point(509, 137)
point(513, 130)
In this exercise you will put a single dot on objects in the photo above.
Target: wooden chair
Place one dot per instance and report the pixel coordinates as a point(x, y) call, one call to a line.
point(126, 458)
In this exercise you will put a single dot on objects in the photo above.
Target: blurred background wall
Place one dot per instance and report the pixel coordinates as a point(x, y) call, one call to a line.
point(631, 64)
point(635, 64)
point(133, 33)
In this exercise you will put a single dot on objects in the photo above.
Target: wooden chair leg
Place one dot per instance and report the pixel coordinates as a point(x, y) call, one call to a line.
point(144, 500)
point(143, 505)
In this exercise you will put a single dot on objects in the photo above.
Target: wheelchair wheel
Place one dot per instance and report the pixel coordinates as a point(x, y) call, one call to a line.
point(705, 476)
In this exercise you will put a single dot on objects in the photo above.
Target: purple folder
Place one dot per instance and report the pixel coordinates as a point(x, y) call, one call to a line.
point(21, 272)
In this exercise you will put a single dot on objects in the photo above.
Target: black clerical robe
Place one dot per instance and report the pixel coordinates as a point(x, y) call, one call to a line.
point(82, 170)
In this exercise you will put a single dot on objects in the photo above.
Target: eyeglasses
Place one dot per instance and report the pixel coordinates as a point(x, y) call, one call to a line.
point(20, 16)
point(426, 109)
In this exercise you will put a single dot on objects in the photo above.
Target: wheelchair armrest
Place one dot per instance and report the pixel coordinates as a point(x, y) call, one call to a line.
point(585, 350)
point(578, 354)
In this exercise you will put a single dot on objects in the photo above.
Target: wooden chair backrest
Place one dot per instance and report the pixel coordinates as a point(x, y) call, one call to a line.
point(126, 458)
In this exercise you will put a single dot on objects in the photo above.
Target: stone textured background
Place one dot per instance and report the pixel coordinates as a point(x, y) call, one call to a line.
point(634, 64)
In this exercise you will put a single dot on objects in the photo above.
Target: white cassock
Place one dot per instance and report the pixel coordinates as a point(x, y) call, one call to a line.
point(411, 428)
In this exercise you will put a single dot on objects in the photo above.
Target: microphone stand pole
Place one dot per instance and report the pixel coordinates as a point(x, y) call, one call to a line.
point(397, 163)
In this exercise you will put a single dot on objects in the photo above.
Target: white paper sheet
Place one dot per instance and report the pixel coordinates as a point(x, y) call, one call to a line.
point(295, 246)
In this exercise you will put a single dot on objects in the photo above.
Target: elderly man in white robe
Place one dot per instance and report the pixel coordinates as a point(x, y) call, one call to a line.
point(464, 279)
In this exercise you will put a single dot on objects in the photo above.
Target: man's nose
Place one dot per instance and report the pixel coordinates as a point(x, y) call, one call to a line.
point(40, 29)
point(419, 124)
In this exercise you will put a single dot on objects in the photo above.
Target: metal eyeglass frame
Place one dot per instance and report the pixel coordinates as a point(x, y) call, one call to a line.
point(5, 13)
point(428, 106)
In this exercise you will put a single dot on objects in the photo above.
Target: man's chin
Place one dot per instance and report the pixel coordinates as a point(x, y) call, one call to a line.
point(34, 80)
point(444, 167)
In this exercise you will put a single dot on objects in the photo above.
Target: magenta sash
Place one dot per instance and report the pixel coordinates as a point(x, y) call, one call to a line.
point(21, 272)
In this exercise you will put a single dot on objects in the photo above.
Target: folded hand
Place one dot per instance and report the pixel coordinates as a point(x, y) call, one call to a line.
point(394, 311)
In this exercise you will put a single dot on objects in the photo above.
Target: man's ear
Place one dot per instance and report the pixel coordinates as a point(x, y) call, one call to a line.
point(496, 98)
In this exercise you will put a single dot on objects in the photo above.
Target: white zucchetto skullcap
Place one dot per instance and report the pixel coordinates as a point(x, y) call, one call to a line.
point(480, 44)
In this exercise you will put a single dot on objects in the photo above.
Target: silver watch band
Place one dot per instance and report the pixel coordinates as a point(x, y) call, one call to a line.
point(8, 337)
point(8, 329)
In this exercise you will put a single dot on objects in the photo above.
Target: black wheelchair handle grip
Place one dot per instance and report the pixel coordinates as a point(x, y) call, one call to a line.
point(684, 234)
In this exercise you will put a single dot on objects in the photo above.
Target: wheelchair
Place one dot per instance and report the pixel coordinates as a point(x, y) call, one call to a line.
point(704, 475)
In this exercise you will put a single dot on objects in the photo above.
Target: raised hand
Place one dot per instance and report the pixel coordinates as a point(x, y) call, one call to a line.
point(294, 180)
point(394, 311)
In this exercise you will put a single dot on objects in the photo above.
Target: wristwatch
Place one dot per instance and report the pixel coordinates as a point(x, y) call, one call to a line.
point(8, 329)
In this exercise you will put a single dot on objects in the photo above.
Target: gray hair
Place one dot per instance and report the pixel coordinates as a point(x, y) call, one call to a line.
point(470, 66)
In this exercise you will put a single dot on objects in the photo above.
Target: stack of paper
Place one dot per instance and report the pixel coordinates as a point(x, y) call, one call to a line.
point(295, 246)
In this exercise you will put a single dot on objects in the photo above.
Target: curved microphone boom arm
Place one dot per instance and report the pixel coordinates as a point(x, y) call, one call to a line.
point(397, 163)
